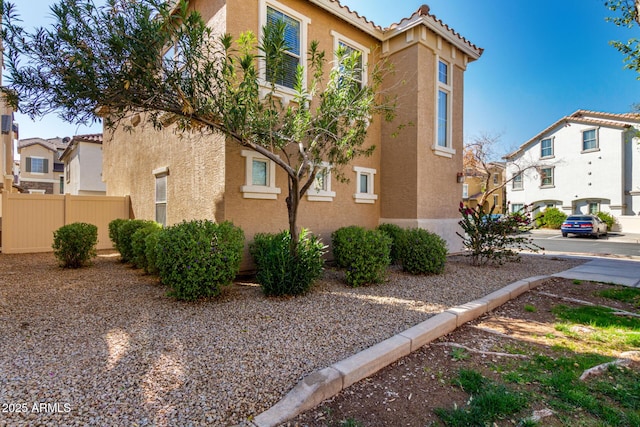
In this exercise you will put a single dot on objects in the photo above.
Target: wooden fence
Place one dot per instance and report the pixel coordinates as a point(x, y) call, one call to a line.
point(29, 220)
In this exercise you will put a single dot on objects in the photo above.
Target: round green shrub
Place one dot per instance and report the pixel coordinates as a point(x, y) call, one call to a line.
point(126, 230)
point(607, 218)
point(139, 243)
point(281, 273)
point(75, 244)
point(196, 258)
point(393, 231)
point(365, 254)
point(550, 218)
point(422, 252)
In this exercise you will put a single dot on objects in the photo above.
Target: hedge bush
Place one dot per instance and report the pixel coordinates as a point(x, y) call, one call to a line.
point(422, 252)
point(126, 230)
point(365, 254)
point(393, 231)
point(550, 218)
point(197, 258)
point(75, 244)
point(280, 273)
point(114, 227)
point(151, 252)
point(139, 243)
point(607, 218)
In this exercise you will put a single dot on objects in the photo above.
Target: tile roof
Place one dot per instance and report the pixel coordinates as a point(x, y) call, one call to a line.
point(53, 144)
point(610, 120)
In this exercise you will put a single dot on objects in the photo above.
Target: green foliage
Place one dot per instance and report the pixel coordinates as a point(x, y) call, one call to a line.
point(112, 56)
point(365, 254)
point(608, 219)
point(139, 243)
point(151, 252)
point(550, 218)
point(281, 273)
point(629, 295)
point(393, 231)
point(422, 252)
point(75, 244)
point(114, 227)
point(196, 258)
point(626, 15)
point(126, 230)
point(494, 241)
point(490, 402)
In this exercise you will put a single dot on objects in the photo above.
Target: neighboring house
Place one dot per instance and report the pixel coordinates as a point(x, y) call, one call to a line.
point(83, 166)
point(410, 179)
point(41, 170)
point(475, 185)
point(583, 163)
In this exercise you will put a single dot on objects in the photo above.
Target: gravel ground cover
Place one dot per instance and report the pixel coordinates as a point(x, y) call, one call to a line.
point(104, 345)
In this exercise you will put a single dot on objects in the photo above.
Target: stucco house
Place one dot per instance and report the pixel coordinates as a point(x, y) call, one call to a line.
point(584, 163)
point(410, 179)
point(83, 166)
point(475, 185)
point(41, 170)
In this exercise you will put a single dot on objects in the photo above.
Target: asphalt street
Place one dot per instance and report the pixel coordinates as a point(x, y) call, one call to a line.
point(615, 244)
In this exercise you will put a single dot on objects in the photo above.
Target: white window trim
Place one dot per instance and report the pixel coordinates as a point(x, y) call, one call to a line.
point(369, 196)
point(446, 151)
point(251, 191)
point(316, 195)
point(364, 52)
point(158, 173)
point(37, 173)
point(514, 182)
point(553, 177)
point(465, 191)
point(590, 150)
point(286, 93)
point(553, 148)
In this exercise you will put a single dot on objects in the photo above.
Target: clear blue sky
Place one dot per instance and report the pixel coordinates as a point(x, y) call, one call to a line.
point(542, 60)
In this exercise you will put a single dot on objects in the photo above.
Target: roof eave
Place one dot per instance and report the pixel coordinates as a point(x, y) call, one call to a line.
point(430, 23)
point(340, 11)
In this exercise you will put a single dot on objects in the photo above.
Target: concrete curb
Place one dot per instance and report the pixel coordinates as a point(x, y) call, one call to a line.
point(327, 382)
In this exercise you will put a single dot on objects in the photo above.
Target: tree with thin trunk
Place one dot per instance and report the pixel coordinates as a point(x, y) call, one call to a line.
point(159, 60)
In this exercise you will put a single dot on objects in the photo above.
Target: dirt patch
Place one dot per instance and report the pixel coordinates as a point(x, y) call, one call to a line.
point(407, 392)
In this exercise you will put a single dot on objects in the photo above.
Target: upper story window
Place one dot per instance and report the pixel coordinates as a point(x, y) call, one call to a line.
point(350, 47)
point(443, 145)
point(516, 183)
point(589, 140)
point(465, 191)
point(443, 72)
point(37, 165)
point(546, 148)
point(546, 177)
point(295, 35)
point(496, 179)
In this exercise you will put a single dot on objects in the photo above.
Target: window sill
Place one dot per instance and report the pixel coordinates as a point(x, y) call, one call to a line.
point(365, 198)
point(443, 151)
point(591, 150)
point(517, 189)
point(321, 196)
point(284, 93)
point(547, 157)
point(259, 192)
point(547, 186)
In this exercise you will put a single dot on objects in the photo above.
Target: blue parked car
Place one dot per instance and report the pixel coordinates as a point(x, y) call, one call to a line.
point(590, 225)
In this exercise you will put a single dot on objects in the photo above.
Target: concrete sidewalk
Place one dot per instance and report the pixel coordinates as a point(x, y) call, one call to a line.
point(606, 270)
point(328, 382)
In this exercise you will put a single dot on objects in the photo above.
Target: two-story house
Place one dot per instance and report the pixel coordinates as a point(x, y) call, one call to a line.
point(476, 186)
point(410, 180)
point(83, 166)
point(41, 170)
point(584, 163)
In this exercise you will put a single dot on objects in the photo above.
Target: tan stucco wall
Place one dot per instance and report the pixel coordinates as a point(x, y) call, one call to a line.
point(195, 185)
